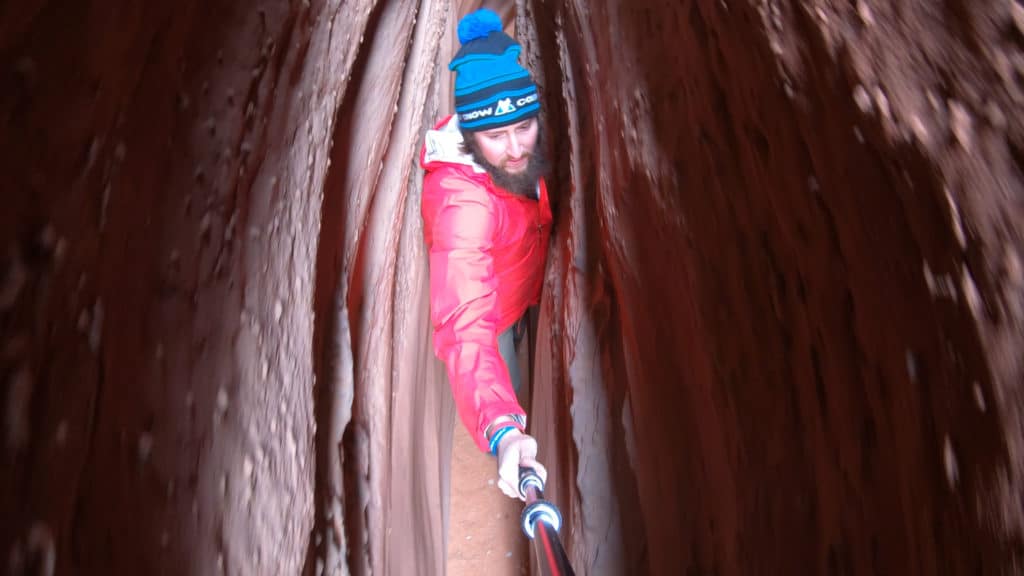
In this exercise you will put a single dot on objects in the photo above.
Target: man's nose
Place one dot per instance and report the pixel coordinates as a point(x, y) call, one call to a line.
point(515, 149)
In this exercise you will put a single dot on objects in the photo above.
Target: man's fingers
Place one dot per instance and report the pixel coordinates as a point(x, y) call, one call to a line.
point(536, 466)
point(508, 470)
point(506, 489)
point(509, 465)
point(517, 452)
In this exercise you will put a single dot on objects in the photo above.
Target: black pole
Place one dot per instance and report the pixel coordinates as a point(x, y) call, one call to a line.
point(541, 522)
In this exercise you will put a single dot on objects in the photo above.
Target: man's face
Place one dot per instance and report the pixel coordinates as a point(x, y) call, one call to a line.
point(509, 148)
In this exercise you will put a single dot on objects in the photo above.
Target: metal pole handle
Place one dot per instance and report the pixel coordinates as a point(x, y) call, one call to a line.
point(541, 522)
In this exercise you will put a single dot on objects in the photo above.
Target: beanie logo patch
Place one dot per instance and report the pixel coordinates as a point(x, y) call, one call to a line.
point(499, 111)
point(482, 113)
point(504, 107)
point(529, 99)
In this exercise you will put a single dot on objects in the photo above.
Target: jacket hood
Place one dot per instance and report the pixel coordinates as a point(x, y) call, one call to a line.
point(442, 146)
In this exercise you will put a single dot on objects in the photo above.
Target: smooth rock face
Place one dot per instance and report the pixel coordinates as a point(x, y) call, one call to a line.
point(782, 332)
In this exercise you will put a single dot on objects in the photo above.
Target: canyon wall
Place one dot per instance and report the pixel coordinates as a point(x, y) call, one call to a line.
point(781, 332)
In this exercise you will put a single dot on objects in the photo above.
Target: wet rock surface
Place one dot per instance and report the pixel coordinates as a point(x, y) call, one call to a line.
point(782, 327)
point(781, 219)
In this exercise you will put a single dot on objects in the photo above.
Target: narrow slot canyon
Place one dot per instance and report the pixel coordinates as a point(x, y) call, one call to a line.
point(781, 329)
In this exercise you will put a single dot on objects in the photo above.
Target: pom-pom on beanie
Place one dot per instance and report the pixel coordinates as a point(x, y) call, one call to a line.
point(491, 88)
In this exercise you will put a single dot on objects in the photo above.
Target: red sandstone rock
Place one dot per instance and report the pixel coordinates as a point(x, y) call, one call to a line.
point(781, 333)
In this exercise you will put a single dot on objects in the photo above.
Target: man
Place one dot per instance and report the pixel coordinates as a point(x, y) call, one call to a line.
point(486, 222)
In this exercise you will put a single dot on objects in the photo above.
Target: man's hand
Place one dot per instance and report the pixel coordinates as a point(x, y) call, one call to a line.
point(517, 449)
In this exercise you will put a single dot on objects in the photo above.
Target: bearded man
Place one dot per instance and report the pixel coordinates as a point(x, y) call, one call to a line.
point(487, 220)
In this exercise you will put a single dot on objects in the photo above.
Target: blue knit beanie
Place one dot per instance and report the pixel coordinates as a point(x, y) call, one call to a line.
point(491, 88)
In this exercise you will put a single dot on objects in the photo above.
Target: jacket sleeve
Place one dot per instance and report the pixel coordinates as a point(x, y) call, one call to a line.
point(463, 303)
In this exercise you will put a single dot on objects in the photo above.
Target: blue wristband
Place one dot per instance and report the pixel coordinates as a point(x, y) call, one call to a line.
point(496, 439)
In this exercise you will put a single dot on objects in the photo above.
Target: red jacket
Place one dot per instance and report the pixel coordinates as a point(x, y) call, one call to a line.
point(487, 251)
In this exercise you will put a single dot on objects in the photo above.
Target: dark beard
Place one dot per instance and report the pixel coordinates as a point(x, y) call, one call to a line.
point(523, 183)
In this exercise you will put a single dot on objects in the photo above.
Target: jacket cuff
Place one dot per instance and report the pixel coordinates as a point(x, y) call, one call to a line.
point(491, 420)
point(517, 421)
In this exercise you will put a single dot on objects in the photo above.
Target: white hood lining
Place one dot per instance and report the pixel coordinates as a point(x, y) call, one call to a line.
point(444, 145)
